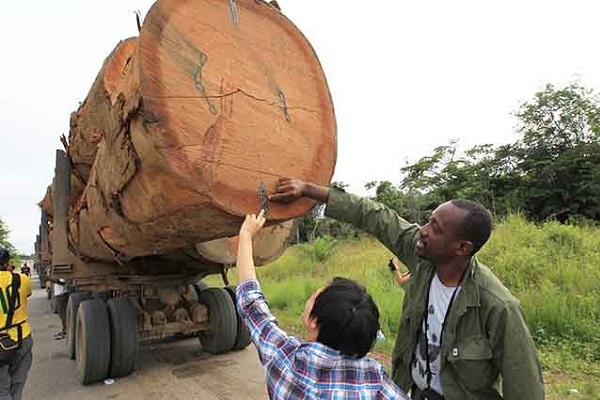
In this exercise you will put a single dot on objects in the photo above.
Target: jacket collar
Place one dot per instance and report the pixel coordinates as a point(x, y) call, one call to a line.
point(470, 296)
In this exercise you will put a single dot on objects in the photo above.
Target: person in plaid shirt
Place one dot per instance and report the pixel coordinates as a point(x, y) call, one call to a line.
point(342, 322)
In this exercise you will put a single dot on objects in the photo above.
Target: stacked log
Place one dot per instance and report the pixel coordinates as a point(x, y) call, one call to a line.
point(184, 124)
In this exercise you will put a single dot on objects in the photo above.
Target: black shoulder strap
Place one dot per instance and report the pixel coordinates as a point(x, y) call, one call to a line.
point(12, 300)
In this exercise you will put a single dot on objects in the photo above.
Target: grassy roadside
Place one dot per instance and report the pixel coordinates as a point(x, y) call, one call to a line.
point(553, 270)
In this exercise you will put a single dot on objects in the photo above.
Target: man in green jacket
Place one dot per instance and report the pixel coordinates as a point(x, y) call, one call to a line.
point(462, 334)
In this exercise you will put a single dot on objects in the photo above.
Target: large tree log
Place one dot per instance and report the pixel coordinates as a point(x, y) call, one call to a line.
point(94, 118)
point(99, 114)
point(183, 125)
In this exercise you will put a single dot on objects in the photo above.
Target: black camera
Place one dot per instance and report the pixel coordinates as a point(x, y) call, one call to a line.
point(430, 394)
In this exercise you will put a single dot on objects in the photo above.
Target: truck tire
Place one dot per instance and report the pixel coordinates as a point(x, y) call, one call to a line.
point(124, 339)
point(242, 336)
point(72, 305)
point(220, 337)
point(92, 341)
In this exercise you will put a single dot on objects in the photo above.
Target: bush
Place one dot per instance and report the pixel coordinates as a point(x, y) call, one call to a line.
point(323, 248)
point(553, 270)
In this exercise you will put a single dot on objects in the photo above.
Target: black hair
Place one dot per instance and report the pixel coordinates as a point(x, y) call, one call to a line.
point(4, 256)
point(476, 226)
point(347, 317)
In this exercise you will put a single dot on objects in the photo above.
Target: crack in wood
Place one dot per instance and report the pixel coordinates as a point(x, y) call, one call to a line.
point(199, 85)
point(239, 91)
point(115, 253)
point(284, 107)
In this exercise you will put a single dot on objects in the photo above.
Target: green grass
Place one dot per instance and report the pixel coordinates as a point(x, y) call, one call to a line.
point(554, 270)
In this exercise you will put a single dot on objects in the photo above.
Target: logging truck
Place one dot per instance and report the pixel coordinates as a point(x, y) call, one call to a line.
point(185, 130)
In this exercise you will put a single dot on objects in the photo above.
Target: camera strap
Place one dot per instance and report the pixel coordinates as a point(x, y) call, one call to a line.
point(426, 323)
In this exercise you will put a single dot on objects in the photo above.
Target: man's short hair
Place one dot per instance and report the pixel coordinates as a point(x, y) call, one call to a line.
point(347, 317)
point(4, 256)
point(476, 226)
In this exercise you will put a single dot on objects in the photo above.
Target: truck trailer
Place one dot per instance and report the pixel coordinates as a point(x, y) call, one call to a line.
point(185, 130)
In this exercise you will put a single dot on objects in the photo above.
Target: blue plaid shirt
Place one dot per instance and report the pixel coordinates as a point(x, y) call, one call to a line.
point(308, 370)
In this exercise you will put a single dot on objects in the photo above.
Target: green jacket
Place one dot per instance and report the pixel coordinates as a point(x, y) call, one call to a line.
point(486, 340)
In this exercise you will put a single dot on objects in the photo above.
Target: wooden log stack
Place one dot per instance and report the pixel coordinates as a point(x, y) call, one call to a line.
point(184, 124)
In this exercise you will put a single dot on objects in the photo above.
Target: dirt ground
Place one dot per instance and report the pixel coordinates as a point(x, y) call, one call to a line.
point(171, 369)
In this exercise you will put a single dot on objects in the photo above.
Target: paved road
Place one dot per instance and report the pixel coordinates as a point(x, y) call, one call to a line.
point(174, 370)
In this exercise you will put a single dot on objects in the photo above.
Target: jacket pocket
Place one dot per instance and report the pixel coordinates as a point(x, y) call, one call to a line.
point(471, 360)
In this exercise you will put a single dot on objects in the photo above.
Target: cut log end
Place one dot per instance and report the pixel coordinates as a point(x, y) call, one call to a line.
point(242, 101)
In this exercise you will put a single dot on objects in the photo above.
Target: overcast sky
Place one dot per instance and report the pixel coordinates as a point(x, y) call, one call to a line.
point(405, 77)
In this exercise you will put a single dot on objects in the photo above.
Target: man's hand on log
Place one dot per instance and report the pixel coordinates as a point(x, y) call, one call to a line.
point(288, 190)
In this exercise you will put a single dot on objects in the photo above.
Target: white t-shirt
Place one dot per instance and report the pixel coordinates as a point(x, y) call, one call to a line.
point(59, 289)
point(439, 299)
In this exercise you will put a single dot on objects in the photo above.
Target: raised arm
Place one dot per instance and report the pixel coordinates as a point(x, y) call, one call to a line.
point(245, 269)
point(250, 301)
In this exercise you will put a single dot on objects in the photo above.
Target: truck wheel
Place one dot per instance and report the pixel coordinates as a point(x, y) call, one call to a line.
point(220, 337)
point(124, 340)
point(242, 336)
point(72, 305)
point(92, 341)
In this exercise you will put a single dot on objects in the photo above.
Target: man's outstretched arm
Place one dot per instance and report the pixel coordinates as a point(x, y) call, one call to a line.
point(245, 269)
point(250, 301)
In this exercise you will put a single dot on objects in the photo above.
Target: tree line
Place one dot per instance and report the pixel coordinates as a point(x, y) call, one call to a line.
point(552, 172)
point(4, 231)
